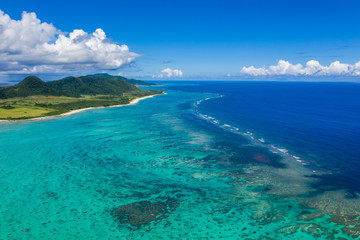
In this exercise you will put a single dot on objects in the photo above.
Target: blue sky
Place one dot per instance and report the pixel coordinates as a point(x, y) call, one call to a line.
point(210, 39)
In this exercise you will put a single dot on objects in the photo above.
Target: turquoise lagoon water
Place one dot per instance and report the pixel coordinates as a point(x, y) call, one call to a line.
point(157, 170)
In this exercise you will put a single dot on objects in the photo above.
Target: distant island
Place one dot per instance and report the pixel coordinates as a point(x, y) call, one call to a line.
point(34, 98)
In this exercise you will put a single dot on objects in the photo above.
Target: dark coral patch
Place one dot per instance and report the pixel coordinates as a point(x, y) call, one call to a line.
point(352, 226)
point(144, 212)
point(261, 158)
point(250, 154)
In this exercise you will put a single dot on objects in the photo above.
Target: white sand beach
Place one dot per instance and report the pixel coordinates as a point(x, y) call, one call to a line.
point(133, 102)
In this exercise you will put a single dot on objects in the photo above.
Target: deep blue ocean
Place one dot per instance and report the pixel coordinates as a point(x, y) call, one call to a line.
point(319, 122)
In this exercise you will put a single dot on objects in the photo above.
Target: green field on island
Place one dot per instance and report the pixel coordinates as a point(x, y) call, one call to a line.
point(33, 98)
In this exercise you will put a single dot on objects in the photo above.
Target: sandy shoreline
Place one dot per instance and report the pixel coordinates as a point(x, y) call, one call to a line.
point(133, 102)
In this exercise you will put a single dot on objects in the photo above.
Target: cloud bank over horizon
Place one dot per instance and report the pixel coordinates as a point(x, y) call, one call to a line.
point(31, 46)
point(311, 68)
point(168, 72)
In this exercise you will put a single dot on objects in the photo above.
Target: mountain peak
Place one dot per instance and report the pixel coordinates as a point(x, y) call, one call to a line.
point(31, 82)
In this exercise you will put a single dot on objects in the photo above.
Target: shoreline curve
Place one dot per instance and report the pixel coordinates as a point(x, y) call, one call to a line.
point(132, 102)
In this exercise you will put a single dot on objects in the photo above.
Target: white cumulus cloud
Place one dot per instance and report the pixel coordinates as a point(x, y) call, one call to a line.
point(31, 46)
point(168, 72)
point(311, 68)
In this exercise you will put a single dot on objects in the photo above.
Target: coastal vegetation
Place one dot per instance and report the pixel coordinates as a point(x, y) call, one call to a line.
point(33, 97)
point(132, 81)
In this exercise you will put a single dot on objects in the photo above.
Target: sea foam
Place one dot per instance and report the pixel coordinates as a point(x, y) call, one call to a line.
point(247, 134)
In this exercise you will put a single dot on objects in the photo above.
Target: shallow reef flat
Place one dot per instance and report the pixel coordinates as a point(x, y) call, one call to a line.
point(156, 171)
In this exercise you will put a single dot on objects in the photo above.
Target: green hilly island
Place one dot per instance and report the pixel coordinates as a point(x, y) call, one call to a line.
point(33, 97)
point(132, 81)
